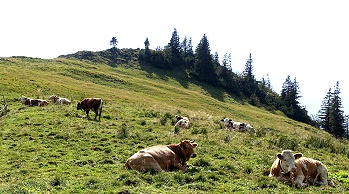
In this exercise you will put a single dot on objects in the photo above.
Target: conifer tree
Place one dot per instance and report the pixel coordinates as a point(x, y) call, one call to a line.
point(324, 112)
point(175, 44)
point(216, 59)
point(147, 54)
point(336, 114)
point(203, 67)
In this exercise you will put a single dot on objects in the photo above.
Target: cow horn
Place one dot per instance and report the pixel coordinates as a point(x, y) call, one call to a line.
point(192, 141)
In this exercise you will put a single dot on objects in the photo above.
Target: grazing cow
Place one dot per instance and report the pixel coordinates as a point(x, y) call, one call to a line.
point(182, 122)
point(94, 104)
point(232, 125)
point(163, 157)
point(295, 169)
point(58, 100)
point(33, 102)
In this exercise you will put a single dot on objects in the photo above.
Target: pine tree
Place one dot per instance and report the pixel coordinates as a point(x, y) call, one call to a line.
point(203, 67)
point(216, 59)
point(175, 44)
point(324, 112)
point(248, 72)
point(147, 54)
point(226, 62)
point(248, 83)
point(336, 114)
point(172, 51)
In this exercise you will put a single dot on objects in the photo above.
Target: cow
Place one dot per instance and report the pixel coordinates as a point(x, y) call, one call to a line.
point(239, 126)
point(298, 170)
point(163, 157)
point(94, 104)
point(58, 100)
point(33, 102)
point(182, 122)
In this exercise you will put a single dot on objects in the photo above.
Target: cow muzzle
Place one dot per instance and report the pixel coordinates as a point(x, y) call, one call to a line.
point(193, 155)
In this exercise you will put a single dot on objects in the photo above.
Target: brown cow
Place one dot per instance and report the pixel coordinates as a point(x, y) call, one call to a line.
point(163, 157)
point(295, 169)
point(33, 102)
point(94, 104)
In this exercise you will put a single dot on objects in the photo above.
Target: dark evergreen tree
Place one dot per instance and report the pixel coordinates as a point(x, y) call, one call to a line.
point(324, 112)
point(248, 72)
point(216, 59)
point(248, 84)
point(336, 114)
point(147, 53)
point(114, 42)
point(290, 104)
point(203, 68)
point(226, 62)
point(184, 47)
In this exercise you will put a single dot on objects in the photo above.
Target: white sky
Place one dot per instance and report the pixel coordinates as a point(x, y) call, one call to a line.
point(306, 39)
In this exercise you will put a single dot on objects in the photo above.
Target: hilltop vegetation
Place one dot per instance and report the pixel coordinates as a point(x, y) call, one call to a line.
point(56, 149)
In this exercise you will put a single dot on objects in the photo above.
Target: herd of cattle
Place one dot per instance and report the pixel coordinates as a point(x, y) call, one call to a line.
point(288, 167)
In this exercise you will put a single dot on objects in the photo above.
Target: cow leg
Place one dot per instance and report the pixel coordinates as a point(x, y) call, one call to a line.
point(100, 113)
point(299, 180)
point(322, 176)
point(87, 112)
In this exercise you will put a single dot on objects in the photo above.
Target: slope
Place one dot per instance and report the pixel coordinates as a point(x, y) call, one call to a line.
point(56, 149)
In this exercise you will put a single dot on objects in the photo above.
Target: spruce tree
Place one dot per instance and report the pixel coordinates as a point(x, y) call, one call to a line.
point(203, 67)
point(147, 54)
point(336, 114)
point(324, 112)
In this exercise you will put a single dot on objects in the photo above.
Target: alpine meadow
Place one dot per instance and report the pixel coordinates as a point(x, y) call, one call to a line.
point(56, 149)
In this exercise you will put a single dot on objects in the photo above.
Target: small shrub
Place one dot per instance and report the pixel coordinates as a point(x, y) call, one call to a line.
point(92, 183)
point(57, 181)
point(201, 162)
point(287, 143)
point(123, 133)
point(163, 120)
point(142, 122)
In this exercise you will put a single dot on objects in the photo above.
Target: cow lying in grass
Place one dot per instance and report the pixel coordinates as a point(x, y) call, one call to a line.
point(232, 125)
point(182, 122)
point(298, 170)
point(58, 100)
point(33, 102)
point(163, 157)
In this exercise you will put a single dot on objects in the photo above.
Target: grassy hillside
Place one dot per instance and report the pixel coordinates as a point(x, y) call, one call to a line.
point(55, 149)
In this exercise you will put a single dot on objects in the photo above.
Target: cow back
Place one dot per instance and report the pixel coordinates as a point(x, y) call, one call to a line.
point(91, 103)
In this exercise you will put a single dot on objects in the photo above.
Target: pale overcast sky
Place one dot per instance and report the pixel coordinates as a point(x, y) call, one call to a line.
point(306, 39)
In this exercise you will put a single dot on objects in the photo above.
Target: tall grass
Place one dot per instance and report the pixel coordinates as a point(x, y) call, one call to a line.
point(55, 149)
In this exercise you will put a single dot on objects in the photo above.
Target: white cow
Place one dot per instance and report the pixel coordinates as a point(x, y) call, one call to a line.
point(182, 122)
point(239, 126)
point(58, 100)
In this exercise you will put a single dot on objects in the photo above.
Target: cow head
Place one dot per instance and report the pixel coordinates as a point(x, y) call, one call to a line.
point(187, 149)
point(226, 121)
point(23, 99)
point(287, 159)
point(177, 117)
point(79, 106)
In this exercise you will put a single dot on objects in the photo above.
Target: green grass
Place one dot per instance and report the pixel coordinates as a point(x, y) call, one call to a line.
point(55, 149)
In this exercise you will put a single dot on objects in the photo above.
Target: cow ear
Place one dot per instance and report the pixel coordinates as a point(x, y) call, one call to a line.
point(298, 155)
point(279, 156)
point(194, 145)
